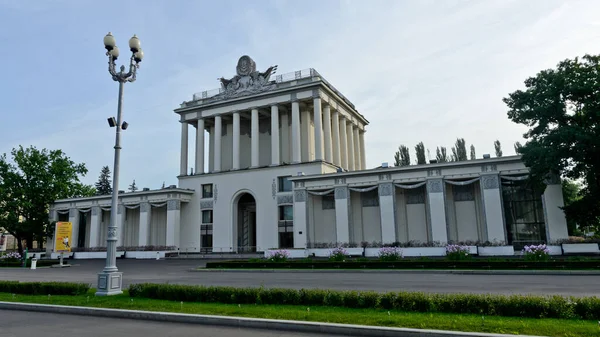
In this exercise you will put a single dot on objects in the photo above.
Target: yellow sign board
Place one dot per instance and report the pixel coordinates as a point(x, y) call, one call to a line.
point(62, 237)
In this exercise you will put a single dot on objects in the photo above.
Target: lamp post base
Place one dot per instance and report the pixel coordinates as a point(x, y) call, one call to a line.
point(109, 283)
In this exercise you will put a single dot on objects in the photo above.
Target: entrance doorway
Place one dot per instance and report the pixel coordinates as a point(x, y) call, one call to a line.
point(246, 223)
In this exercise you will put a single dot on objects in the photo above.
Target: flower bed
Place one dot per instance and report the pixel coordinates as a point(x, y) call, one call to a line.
point(472, 264)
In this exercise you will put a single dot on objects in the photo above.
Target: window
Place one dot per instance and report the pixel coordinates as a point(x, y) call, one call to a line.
point(206, 243)
point(285, 185)
point(207, 216)
point(327, 202)
point(207, 191)
point(286, 226)
point(524, 214)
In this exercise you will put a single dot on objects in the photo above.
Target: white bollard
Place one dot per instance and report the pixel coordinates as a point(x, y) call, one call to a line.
point(157, 256)
point(33, 263)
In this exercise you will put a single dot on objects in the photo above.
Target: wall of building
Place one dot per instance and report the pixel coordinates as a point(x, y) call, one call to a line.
point(157, 232)
point(227, 186)
point(321, 221)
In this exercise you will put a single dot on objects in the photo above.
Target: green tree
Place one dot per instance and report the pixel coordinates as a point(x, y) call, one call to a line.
point(473, 156)
point(459, 151)
point(103, 185)
point(420, 152)
point(133, 187)
point(518, 147)
point(498, 148)
point(561, 107)
point(441, 155)
point(570, 190)
point(402, 156)
point(34, 179)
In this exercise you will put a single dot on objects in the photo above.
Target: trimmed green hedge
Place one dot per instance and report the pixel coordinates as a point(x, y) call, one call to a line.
point(40, 263)
point(492, 305)
point(43, 288)
point(412, 264)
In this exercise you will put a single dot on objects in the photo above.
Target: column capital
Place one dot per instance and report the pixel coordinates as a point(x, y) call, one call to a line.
point(300, 195)
point(173, 205)
point(435, 185)
point(144, 207)
point(490, 181)
point(386, 189)
point(316, 94)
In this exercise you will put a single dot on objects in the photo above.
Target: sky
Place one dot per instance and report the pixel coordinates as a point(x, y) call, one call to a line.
point(422, 70)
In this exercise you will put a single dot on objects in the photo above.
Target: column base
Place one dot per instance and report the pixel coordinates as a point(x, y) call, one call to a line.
point(109, 283)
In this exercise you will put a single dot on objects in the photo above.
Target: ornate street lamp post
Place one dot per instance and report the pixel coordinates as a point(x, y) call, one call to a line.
point(110, 280)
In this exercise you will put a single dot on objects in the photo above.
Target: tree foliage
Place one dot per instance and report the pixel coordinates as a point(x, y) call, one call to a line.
point(441, 155)
point(459, 151)
point(402, 156)
point(472, 155)
point(517, 147)
point(561, 107)
point(29, 183)
point(133, 187)
point(498, 148)
point(103, 185)
point(420, 153)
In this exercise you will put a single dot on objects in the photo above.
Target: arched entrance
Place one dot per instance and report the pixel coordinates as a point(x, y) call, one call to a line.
point(246, 223)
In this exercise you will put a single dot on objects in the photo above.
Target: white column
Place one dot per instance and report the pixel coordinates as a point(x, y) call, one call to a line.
point(300, 220)
point(274, 135)
point(254, 142)
point(350, 145)
point(437, 210)
point(363, 159)
point(386, 211)
point(173, 223)
point(556, 222)
point(74, 220)
point(327, 133)
point(357, 159)
point(217, 150)
point(285, 155)
point(236, 141)
point(318, 128)
point(143, 229)
point(184, 149)
point(343, 143)
point(342, 214)
point(94, 226)
point(492, 204)
point(296, 148)
point(305, 135)
point(200, 147)
point(336, 138)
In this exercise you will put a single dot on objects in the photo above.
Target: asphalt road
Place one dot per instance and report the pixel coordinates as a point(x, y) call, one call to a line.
point(22, 323)
point(178, 272)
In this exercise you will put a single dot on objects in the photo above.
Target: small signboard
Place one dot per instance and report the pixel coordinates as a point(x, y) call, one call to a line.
point(62, 237)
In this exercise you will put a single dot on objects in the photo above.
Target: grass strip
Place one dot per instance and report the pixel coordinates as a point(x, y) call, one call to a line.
point(373, 317)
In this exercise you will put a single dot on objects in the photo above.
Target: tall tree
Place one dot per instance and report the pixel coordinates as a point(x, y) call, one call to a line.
point(570, 190)
point(420, 152)
point(441, 155)
point(517, 147)
point(473, 156)
point(402, 156)
point(498, 148)
point(459, 151)
point(561, 108)
point(103, 185)
point(133, 187)
point(28, 184)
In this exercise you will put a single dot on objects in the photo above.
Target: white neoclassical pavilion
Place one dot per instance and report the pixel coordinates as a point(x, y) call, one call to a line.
point(286, 168)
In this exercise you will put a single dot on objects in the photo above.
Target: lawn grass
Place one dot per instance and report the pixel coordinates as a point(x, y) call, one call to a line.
point(473, 323)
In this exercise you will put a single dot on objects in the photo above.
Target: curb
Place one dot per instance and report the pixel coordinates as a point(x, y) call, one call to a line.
point(242, 322)
point(408, 271)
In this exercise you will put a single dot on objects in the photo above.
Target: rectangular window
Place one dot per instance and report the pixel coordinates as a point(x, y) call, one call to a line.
point(286, 213)
point(207, 216)
point(285, 185)
point(207, 191)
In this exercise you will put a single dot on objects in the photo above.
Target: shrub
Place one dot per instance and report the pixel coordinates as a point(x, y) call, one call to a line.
point(390, 254)
point(457, 252)
point(489, 305)
point(278, 256)
point(339, 254)
point(43, 288)
point(536, 253)
point(11, 257)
